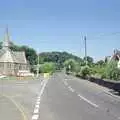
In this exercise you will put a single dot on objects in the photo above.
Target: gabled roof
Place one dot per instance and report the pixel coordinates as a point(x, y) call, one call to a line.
point(20, 56)
point(7, 56)
point(12, 57)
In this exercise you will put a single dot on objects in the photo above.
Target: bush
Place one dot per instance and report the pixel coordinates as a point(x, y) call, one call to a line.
point(98, 71)
point(85, 72)
point(112, 72)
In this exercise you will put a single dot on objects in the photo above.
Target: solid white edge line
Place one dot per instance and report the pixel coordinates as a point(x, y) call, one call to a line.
point(88, 101)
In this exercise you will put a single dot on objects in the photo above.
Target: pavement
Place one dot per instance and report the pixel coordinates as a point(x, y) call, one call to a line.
point(61, 97)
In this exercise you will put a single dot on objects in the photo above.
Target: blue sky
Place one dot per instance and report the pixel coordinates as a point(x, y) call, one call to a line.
point(53, 25)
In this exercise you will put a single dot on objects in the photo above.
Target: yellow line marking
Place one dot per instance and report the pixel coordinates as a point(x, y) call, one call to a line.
point(18, 106)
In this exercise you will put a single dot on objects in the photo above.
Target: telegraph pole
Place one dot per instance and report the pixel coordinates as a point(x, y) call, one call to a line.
point(85, 40)
point(38, 64)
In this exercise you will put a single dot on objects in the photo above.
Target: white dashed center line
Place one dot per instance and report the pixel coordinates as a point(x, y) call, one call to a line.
point(81, 97)
point(88, 101)
point(65, 83)
point(71, 89)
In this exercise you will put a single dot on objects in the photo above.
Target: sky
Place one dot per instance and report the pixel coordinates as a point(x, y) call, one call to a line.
point(52, 25)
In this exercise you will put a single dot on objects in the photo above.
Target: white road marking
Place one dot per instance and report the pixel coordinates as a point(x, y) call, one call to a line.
point(88, 101)
point(37, 105)
point(43, 87)
point(42, 83)
point(38, 102)
point(71, 89)
point(38, 99)
point(35, 117)
point(22, 82)
point(36, 110)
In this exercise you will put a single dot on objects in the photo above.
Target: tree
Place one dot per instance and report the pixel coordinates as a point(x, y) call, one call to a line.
point(58, 58)
point(0, 45)
point(47, 68)
point(100, 63)
point(70, 65)
point(89, 59)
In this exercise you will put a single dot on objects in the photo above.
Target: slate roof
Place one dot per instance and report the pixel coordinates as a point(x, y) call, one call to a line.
point(20, 56)
point(12, 57)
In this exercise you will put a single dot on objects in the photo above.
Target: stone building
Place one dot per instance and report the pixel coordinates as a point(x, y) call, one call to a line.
point(11, 62)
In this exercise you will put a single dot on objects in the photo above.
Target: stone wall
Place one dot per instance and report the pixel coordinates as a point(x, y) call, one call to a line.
point(12, 68)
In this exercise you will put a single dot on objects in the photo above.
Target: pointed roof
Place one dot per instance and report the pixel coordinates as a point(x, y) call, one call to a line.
point(6, 41)
point(6, 55)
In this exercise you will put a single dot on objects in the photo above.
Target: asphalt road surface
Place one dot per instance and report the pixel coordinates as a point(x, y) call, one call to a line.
point(61, 97)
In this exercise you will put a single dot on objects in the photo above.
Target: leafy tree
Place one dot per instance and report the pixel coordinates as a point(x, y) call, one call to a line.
point(100, 63)
point(58, 58)
point(89, 61)
point(0, 45)
point(47, 68)
point(70, 65)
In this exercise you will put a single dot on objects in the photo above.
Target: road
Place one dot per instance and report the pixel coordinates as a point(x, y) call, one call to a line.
point(17, 98)
point(61, 97)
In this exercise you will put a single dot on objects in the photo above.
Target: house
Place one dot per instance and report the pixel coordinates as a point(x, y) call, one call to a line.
point(116, 57)
point(11, 62)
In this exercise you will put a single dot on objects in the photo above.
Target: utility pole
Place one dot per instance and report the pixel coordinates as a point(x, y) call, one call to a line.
point(38, 64)
point(85, 40)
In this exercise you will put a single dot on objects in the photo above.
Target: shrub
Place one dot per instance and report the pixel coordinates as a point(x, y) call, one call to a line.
point(85, 72)
point(112, 72)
